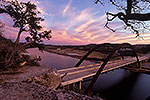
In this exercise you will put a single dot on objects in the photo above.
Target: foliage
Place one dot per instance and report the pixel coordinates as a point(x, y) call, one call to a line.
point(36, 37)
point(25, 17)
point(131, 12)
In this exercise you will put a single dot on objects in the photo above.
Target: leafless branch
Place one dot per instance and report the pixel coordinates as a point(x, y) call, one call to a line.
point(97, 1)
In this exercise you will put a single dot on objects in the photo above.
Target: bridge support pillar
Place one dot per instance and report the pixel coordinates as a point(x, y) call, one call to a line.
point(74, 85)
point(149, 59)
point(68, 87)
point(80, 85)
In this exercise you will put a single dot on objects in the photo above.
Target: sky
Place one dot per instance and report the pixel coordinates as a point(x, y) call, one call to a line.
point(77, 22)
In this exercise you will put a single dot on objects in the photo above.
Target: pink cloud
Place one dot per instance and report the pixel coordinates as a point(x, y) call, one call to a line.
point(76, 27)
point(67, 7)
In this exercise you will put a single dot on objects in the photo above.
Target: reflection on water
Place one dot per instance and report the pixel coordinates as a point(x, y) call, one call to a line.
point(122, 85)
point(55, 60)
point(115, 85)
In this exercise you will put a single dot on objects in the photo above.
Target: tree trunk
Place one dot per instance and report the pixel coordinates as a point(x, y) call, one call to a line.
point(129, 7)
point(18, 37)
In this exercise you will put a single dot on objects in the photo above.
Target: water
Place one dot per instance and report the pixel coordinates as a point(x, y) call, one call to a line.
point(122, 84)
point(119, 84)
point(55, 60)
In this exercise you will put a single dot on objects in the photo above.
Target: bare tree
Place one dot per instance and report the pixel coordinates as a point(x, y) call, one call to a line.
point(25, 17)
point(132, 13)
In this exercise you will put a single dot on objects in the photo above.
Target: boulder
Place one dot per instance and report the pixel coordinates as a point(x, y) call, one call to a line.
point(51, 79)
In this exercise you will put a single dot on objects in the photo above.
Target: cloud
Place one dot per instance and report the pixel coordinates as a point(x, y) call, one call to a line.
point(38, 4)
point(83, 26)
point(11, 33)
point(85, 16)
point(72, 25)
point(44, 13)
point(63, 37)
point(67, 7)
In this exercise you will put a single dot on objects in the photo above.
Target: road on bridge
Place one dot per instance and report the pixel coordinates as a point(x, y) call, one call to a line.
point(78, 74)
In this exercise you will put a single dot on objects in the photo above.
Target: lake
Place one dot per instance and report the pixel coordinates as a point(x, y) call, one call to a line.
point(119, 84)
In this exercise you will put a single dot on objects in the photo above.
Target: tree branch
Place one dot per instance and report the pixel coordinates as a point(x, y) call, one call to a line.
point(139, 17)
point(129, 7)
point(2, 11)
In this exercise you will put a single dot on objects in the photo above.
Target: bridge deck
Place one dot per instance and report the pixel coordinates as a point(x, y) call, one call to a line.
point(77, 74)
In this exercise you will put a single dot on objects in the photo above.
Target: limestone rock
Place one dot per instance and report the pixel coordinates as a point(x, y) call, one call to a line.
point(51, 79)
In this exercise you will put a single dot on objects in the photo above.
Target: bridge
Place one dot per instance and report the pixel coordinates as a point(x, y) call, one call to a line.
point(79, 73)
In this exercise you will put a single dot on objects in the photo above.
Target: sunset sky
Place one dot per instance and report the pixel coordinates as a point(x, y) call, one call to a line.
point(75, 22)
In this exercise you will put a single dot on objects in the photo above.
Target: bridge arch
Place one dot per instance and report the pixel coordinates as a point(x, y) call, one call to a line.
point(95, 77)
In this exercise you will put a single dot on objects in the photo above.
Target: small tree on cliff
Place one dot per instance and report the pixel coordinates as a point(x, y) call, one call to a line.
point(25, 17)
point(132, 12)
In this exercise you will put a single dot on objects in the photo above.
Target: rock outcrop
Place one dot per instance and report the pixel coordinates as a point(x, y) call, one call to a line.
point(30, 91)
point(51, 79)
point(35, 83)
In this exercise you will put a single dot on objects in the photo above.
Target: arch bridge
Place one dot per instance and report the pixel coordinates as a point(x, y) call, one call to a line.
point(78, 73)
